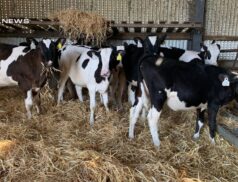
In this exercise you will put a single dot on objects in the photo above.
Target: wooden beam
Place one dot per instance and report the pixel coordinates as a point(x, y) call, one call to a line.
point(137, 26)
point(130, 36)
point(221, 38)
point(229, 50)
point(149, 30)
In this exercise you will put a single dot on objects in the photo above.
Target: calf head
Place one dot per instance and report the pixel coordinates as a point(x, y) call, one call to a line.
point(30, 42)
point(117, 55)
point(152, 44)
point(103, 55)
point(47, 48)
point(211, 53)
point(139, 42)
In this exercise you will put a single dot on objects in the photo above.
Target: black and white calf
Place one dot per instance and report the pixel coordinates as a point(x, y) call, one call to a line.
point(26, 67)
point(86, 68)
point(185, 86)
point(208, 55)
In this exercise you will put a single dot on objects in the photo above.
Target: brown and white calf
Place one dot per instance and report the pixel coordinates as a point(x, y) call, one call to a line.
point(26, 67)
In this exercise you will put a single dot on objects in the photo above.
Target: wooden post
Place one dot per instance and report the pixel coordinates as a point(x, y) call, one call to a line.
point(198, 16)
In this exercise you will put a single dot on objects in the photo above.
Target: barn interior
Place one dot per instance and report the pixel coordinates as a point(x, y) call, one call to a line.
point(60, 145)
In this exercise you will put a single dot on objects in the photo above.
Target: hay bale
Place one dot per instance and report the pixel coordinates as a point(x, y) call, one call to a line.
point(6, 146)
point(77, 25)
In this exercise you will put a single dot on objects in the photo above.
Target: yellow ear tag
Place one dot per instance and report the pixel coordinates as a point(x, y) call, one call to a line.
point(59, 46)
point(119, 57)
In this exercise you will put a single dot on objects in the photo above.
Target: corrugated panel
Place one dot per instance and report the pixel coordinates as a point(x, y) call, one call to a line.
point(222, 17)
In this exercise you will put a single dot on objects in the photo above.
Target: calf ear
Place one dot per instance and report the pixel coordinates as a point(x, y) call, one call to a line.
point(90, 54)
point(30, 40)
point(219, 46)
point(207, 55)
point(125, 44)
point(203, 47)
point(59, 43)
point(93, 53)
point(213, 42)
point(162, 38)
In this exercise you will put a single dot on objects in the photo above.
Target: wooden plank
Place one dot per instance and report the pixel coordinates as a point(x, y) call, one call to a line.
point(229, 50)
point(169, 30)
point(149, 29)
point(137, 28)
point(138, 25)
point(118, 36)
point(130, 36)
point(125, 28)
point(221, 38)
point(160, 29)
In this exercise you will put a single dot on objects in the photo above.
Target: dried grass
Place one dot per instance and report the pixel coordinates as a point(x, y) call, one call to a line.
point(77, 24)
point(59, 145)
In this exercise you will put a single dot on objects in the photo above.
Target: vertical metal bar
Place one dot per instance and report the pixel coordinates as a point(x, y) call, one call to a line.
point(198, 17)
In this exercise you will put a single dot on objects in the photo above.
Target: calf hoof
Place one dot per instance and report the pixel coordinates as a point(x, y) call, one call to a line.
point(195, 137)
point(131, 135)
point(157, 145)
point(212, 140)
point(29, 116)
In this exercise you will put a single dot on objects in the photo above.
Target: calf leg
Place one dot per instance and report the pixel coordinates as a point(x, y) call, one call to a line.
point(37, 101)
point(199, 123)
point(105, 100)
point(92, 95)
point(134, 115)
point(153, 118)
point(131, 94)
point(158, 99)
point(28, 103)
point(121, 85)
point(63, 78)
point(79, 92)
point(212, 113)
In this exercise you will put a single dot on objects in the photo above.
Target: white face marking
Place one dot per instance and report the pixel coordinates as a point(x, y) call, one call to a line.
point(159, 61)
point(153, 119)
point(175, 104)
point(134, 83)
point(47, 42)
point(161, 54)
point(153, 39)
point(33, 45)
point(189, 55)
point(139, 44)
point(120, 48)
point(105, 55)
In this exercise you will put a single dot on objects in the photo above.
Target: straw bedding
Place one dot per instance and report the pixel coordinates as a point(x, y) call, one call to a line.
point(59, 145)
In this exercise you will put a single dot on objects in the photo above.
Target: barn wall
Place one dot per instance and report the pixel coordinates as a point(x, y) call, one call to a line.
point(221, 17)
point(117, 10)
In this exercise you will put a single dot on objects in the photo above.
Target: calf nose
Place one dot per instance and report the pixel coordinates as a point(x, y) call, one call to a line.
point(49, 63)
point(105, 73)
